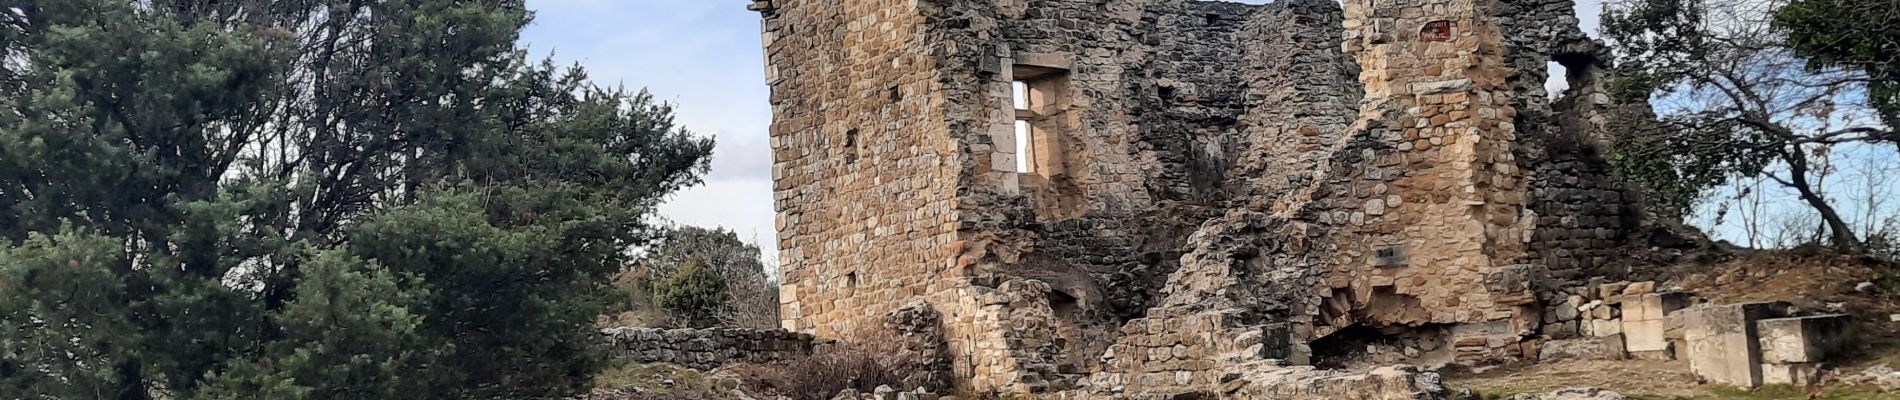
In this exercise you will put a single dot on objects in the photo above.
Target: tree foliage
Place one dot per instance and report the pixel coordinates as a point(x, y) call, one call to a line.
point(311, 199)
point(1851, 34)
point(695, 294)
point(1734, 101)
point(750, 297)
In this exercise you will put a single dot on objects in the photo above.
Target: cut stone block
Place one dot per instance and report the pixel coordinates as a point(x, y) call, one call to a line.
point(1798, 374)
point(1723, 343)
point(1645, 335)
point(1654, 306)
point(1802, 339)
point(1606, 327)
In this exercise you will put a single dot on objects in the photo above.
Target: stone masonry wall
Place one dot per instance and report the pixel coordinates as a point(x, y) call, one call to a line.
point(706, 348)
point(1216, 186)
point(864, 177)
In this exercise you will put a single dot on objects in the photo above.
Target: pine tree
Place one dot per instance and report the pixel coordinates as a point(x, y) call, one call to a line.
point(311, 199)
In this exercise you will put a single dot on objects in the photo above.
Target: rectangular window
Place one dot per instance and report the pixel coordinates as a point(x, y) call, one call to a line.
point(1020, 94)
point(1037, 98)
point(1025, 126)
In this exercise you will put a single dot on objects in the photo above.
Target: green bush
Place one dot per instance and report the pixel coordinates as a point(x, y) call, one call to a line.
point(695, 295)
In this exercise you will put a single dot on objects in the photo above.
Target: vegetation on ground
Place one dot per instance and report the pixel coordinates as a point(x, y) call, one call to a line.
point(698, 277)
point(875, 360)
point(641, 381)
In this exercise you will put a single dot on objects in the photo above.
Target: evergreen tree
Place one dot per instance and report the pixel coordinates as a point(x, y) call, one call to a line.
point(310, 199)
point(695, 294)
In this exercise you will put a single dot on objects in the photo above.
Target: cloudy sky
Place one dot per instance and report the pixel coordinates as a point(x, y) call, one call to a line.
point(705, 57)
point(702, 55)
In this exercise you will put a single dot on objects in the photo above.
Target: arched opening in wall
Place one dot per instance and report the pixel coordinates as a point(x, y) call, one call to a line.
point(1354, 345)
point(1361, 346)
point(1556, 80)
point(851, 151)
point(1068, 319)
point(1063, 305)
point(1582, 94)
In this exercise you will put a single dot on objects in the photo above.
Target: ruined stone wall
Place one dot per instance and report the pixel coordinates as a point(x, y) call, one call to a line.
point(1584, 220)
point(1216, 187)
point(1160, 91)
point(1438, 111)
point(864, 173)
point(706, 348)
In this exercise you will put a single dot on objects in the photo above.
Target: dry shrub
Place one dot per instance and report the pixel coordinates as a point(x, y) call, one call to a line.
point(873, 360)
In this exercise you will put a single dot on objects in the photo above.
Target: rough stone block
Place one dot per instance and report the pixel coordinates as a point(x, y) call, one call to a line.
point(1637, 288)
point(1723, 343)
point(1561, 330)
point(1610, 290)
point(1664, 355)
point(1614, 347)
point(1798, 374)
point(1603, 312)
point(1276, 342)
point(1571, 349)
point(1563, 311)
point(1802, 339)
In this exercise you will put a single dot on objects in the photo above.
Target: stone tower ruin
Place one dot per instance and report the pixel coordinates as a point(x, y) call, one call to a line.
point(1151, 197)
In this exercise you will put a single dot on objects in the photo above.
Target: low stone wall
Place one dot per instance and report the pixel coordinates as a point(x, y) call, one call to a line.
point(706, 348)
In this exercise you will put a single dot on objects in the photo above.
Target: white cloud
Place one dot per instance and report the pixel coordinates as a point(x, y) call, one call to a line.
point(705, 58)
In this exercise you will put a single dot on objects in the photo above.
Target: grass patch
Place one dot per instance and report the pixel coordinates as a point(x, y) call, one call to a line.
point(666, 381)
point(1785, 392)
point(1719, 392)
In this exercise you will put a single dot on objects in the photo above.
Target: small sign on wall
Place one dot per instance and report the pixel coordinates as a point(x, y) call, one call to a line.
point(1436, 31)
point(1391, 256)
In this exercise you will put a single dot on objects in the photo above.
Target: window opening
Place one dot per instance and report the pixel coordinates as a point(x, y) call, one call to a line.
point(1036, 97)
point(1022, 146)
point(1024, 101)
point(851, 146)
point(1020, 95)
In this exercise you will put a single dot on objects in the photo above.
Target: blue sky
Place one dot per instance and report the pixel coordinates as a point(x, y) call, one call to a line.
point(705, 57)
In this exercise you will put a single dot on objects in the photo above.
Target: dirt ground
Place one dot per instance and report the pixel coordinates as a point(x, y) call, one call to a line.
point(1638, 379)
point(1816, 283)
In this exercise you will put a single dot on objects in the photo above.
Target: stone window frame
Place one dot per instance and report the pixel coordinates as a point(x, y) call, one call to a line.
point(1039, 96)
point(1024, 98)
